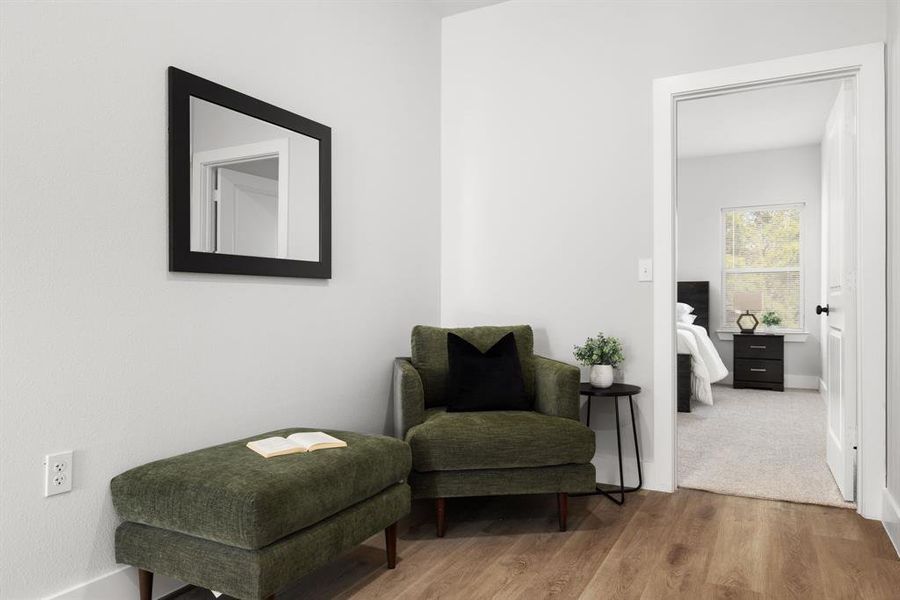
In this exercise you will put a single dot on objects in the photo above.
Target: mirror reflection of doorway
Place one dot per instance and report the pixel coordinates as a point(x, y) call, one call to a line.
point(246, 208)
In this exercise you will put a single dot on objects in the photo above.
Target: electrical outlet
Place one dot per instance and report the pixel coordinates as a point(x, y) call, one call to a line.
point(57, 473)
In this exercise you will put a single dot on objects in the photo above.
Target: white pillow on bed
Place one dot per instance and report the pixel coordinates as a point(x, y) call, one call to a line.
point(689, 319)
point(683, 309)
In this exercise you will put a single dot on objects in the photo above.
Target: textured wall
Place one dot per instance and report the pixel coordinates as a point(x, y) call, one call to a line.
point(106, 352)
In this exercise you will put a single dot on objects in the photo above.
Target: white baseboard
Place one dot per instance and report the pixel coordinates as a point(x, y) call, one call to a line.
point(653, 480)
point(117, 585)
point(890, 517)
point(801, 382)
point(607, 467)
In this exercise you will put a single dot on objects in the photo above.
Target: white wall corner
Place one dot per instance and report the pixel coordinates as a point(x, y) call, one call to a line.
point(118, 584)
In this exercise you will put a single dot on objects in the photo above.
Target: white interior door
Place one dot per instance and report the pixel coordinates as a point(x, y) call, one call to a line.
point(839, 262)
point(246, 214)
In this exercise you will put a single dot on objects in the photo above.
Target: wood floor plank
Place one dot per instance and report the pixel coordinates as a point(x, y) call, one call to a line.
point(686, 545)
point(574, 557)
point(792, 568)
point(624, 573)
point(467, 569)
point(851, 571)
point(680, 571)
point(724, 592)
point(738, 556)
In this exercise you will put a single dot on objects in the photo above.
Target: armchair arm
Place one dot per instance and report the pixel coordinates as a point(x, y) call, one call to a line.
point(408, 395)
point(556, 388)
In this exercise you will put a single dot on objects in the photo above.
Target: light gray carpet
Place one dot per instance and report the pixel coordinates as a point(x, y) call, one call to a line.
point(760, 444)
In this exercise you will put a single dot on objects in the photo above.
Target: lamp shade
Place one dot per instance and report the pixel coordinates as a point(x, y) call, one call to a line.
point(747, 301)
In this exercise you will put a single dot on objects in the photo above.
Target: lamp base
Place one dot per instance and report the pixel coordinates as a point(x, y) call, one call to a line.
point(744, 321)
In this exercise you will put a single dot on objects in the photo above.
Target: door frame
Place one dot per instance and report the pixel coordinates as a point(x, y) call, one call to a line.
point(203, 166)
point(866, 64)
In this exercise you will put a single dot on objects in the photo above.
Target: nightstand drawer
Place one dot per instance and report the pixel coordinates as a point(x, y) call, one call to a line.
point(769, 347)
point(748, 369)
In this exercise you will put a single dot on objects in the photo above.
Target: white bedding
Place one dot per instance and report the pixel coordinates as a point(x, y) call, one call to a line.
point(706, 364)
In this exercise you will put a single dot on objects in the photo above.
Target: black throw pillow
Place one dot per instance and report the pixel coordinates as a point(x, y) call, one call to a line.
point(485, 381)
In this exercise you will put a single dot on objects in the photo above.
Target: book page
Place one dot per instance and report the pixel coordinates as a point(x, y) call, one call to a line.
point(316, 440)
point(273, 446)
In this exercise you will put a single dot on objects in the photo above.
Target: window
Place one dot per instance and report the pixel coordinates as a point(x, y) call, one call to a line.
point(761, 254)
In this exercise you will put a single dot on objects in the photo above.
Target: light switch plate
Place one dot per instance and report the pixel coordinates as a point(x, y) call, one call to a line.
point(645, 269)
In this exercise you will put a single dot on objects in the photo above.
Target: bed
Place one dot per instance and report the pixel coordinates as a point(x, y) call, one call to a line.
point(699, 363)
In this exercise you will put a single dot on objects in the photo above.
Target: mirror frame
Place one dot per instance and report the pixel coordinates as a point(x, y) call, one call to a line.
point(182, 86)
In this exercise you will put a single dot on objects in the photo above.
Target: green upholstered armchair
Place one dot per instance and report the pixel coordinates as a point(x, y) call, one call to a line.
point(456, 454)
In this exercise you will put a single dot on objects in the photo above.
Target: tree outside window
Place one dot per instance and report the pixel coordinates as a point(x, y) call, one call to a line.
point(762, 253)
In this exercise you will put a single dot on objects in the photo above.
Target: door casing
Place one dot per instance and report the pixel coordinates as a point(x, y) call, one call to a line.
point(203, 167)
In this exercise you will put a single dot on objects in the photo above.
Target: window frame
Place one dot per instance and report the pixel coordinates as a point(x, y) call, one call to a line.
point(729, 325)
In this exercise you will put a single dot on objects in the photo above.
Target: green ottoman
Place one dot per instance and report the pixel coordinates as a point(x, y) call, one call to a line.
point(227, 519)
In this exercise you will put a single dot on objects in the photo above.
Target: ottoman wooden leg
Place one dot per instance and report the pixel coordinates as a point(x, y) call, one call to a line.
point(145, 582)
point(390, 542)
point(562, 501)
point(440, 505)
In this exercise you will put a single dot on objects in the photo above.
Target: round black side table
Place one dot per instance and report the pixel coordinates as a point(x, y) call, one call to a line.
point(616, 391)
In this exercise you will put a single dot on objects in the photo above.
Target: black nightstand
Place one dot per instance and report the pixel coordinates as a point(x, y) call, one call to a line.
point(759, 361)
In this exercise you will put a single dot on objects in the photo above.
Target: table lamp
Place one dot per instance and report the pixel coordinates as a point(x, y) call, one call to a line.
point(745, 303)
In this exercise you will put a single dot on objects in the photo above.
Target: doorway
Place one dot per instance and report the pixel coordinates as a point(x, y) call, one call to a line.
point(862, 426)
point(753, 168)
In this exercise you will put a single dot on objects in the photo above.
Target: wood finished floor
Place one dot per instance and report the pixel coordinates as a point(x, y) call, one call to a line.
point(690, 544)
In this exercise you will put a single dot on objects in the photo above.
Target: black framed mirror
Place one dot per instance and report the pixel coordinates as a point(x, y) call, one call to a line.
point(249, 184)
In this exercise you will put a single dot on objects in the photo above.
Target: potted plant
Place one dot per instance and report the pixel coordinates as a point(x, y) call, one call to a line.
point(602, 354)
point(770, 319)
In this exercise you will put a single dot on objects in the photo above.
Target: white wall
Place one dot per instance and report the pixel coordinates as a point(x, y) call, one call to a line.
point(892, 497)
point(103, 350)
point(546, 157)
point(783, 176)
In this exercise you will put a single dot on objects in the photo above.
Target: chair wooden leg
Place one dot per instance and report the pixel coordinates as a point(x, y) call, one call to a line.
point(440, 505)
point(145, 582)
point(390, 543)
point(562, 501)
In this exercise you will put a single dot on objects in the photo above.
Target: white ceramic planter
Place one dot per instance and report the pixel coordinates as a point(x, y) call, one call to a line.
point(601, 376)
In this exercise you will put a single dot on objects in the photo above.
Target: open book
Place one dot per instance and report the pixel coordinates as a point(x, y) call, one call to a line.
point(305, 441)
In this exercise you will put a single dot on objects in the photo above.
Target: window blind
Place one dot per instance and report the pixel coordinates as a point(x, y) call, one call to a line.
point(762, 254)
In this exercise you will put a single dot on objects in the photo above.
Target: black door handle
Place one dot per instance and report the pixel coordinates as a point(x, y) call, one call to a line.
point(822, 309)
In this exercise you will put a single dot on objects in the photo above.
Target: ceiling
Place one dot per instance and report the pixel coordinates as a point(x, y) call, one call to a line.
point(451, 7)
point(773, 117)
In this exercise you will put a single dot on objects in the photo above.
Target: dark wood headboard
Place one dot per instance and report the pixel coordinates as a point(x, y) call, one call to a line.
point(696, 293)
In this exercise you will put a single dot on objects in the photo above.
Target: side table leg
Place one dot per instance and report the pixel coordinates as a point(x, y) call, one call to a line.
point(637, 450)
point(589, 411)
point(621, 499)
point(619, 447)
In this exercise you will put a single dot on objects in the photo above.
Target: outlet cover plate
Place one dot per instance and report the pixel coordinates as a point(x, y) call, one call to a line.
point(57, 473)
